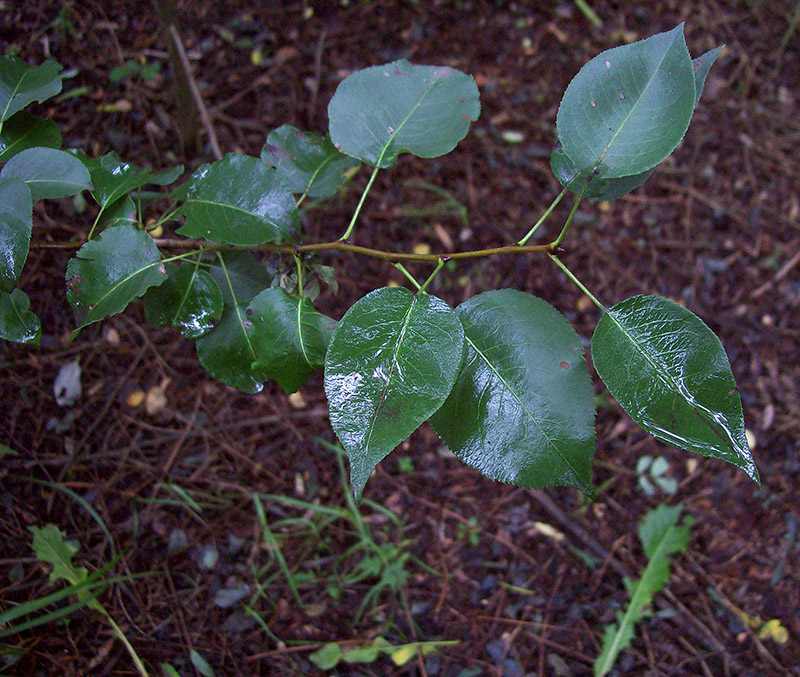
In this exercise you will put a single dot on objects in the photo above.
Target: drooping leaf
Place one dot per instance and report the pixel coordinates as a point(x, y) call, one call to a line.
point(702, 65)
point(15, 230)
point(670, 373)
point(391, 363)
point(627, 109)
point(290, 338)
point(379, 112)
point(242, 276)
point(48, 172)
point(598, 188)
point(17, 323)
point(307, 162)
point(522, 408)
point(21, 84)
point(239, 200)
point(189, 300)
point(109, 272)
point(661, 537)
point(227, 353)
point(26, 131)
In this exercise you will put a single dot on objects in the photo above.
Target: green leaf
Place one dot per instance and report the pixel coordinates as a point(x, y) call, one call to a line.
point(189, 300)
point(661, 537)
point(670, 372)
point(326, 657)
point(109, 272)
point(16, 220)
point(242, 278)
point(123, 211)
point(308, 162)
point(362, 654)
point(522, 408)
point(391, 363)
point(51, 548)
point(49, 173)
point(627, 109)
point(239, 200)
point(289, 337)
point(227, 353)
point(702, 65)
point(200, 664)
point(598, 188)
point(26, 131)
point(17, 323)
point(379, 112)
point(21, 84)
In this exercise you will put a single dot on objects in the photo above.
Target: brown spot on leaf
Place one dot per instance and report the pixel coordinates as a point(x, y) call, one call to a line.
point(466, 118)
point(463, 99)
point(564, 364)
point(397, 71)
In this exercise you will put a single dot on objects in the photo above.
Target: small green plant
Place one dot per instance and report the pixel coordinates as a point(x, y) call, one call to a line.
point(651, 473)
point(501, 378)
point(661, 536)
point(332, 654)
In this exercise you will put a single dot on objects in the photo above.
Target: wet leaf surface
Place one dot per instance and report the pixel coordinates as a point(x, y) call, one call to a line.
point(15, 230)
point(17, 323)
point(522, 408)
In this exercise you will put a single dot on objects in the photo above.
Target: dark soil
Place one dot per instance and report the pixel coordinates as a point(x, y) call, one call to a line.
point(717, 228)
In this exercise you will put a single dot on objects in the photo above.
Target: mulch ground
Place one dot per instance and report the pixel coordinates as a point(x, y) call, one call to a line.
point(524, 581)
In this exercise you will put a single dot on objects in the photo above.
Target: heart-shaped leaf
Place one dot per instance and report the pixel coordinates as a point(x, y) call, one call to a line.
point(189, 300)
point(239, 276)
point(17, 323)
point(227, 353)
point(702, 65)
point(308, 162)
point(15, 230)
point(598, 188)
point(239, 200)
point(627, 109)
point(101, 282)
point(49, 173)
point(21, 84)
point(379, 112)
point(391, 363)
point(26, 131)
point(522, 408)
point(670, 373)
point(290, 338)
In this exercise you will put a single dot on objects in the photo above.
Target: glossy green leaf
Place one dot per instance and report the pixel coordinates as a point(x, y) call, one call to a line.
point(290, 338)
point(379, 112)
point(189, 300)
point(702, 65)
point(48, 172)
point(101, 281)
point(227, 353)
point(241, 277)
point(627, 109)
point(17, 323)
point(598, 188)
point(670, 373)
point(522, 408)
point(239, 200)
point(26, 131)
point(308, 162)
point(391, 363)
point(123, 211)
point(15, 230)
point(21, 84)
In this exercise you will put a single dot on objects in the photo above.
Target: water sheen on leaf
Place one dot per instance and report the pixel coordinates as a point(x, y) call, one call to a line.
point(627, 109)
point(21, 84)
point(190, 300)
point(391, 364)
point(379, 112)
point(308, 162)
point(227, 353)
point(17, 323)
point(108, 273)
point(48, 172)
point(289, 337)
point(239, 200)
point(26, 131)
point(522, 408)
point(15, 230)
point(670, 373)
